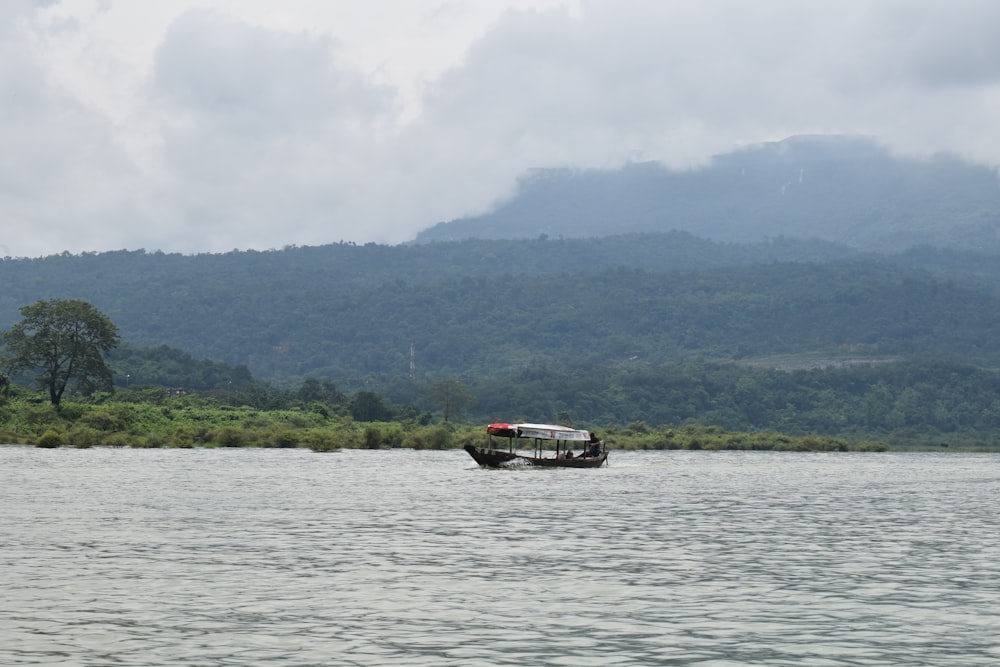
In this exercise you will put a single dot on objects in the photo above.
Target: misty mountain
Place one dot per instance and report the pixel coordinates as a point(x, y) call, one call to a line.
point(842, 189)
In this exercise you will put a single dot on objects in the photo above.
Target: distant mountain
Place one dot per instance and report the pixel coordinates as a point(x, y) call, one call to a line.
point(842, 189)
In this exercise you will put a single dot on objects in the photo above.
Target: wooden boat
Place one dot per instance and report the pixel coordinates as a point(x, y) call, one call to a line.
point(539, 437)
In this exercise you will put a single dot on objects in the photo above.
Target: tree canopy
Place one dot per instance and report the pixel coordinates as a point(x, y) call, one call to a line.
point(352, 314)
point(65, 342)
point(451, 397)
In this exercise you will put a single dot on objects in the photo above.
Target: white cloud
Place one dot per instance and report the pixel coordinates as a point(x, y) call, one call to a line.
point(267, 134)
point(62, 173)
point(220, 124)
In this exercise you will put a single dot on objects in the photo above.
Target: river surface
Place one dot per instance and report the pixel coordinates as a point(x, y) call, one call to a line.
point(212, 557)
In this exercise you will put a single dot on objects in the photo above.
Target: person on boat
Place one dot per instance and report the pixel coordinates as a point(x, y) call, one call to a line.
point(595, 446)
point(569, 453)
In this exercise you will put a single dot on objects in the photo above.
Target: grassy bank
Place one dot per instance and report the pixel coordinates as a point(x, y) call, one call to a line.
point(160, 420)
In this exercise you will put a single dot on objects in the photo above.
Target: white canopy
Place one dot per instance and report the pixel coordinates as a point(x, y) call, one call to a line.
point(550, 432)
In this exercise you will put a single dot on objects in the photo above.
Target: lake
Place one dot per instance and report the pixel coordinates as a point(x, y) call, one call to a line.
point(288, 557)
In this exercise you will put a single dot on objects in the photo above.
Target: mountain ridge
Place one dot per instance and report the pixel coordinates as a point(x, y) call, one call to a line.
point(838, 188)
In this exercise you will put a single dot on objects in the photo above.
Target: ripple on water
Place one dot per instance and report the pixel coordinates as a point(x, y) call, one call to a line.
point(247, 557)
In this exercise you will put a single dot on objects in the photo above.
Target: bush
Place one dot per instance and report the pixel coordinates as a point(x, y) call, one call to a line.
point(109, 420)
point(50, 440)
point(443, 436)
point(118, 440)
point(256, 421)
point(39, 414)
point(871, 447)
point(71, 411)
point(322, 441)
point(228, 436)
point(183, 437)
point(439, 438)
point(331, 440)
point(393, 438)
point(284, 440)
point(83, 437)
point(372, 438)
point(414, 441)
point(153, 441)
point(298, 421)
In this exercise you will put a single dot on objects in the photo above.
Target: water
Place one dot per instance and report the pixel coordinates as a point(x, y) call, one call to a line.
point(288, 557)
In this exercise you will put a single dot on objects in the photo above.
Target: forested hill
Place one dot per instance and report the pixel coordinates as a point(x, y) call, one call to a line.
point(841, 189)
point(373, 264)
point(350, 314)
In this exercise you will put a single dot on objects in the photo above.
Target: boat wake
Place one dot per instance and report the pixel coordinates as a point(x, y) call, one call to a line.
point(516, 463)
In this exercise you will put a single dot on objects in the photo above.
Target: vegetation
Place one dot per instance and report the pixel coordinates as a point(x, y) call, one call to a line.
point(666, 330)
point(65, 340)
point(155, 419)
point(451, 397)
point(289, 315)
point(164, 366)
point(902, 404)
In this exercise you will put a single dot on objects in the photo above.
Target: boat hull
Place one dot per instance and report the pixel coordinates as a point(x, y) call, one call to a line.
point(497, 458)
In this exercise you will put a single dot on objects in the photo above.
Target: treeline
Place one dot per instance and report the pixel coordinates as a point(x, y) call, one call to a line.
point(901, 402)
point(347, 265)
point(350, 314)
point(164, 366)
point(487, 325)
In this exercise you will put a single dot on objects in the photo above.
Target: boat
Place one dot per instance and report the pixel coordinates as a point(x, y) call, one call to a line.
point(541, 439)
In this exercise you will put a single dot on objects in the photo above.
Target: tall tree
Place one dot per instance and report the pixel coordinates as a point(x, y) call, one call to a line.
point(450, 395)
point(65, 341)
point(367, 406)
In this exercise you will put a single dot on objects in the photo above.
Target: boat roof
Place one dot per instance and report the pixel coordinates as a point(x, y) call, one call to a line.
point(540, 431)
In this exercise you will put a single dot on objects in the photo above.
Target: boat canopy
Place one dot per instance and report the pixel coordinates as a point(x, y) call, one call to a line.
point(539, 431)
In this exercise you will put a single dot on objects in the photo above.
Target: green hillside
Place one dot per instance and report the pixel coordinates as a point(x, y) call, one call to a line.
point(802, 337)
point(350, 314)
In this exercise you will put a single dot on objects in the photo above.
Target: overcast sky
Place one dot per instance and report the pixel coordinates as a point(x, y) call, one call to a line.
point(212, 125)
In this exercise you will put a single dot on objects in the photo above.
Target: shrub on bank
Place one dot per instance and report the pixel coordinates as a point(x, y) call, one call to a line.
point(286, 439)
point(121, 439)
point(50, 440)
point(84, 437)
point(229, 436)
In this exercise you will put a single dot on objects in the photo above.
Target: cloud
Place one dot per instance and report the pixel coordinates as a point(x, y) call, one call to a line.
point(678, 83)
point(245, 134)
point(267, 140)
point(215, 66)
point(62, 172)
point(935, 46)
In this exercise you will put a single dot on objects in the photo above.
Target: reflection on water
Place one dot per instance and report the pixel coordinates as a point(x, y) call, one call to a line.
point(277, 557)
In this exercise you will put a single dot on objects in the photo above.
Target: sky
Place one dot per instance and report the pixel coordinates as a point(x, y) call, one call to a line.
point(199, 126)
